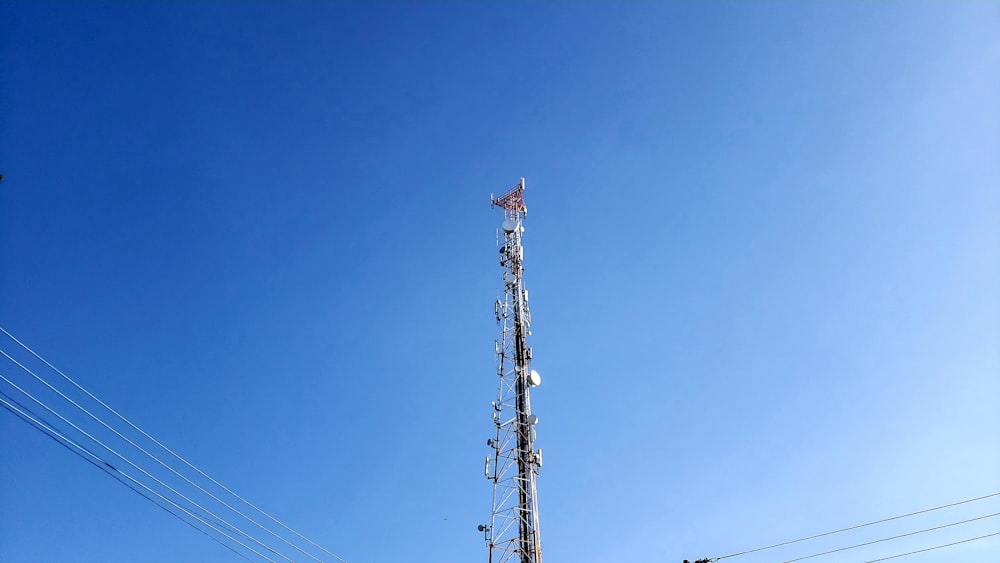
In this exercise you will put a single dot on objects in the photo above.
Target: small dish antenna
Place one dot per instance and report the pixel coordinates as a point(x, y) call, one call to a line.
point(509, 225)
point(531, 420)
point(534, 378)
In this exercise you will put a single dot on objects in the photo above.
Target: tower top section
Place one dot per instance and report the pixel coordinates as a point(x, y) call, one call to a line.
point(512, 202)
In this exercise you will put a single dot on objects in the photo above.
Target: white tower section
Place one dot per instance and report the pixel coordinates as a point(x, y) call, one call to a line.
point(512, 534)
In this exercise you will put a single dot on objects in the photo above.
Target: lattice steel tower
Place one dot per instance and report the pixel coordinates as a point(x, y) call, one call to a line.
point(512, 534)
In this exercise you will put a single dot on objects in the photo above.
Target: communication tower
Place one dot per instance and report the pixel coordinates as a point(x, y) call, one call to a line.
point(513, 534)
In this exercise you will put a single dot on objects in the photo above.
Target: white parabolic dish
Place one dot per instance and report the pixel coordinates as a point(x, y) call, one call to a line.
point(534, 378)
point(509, 225)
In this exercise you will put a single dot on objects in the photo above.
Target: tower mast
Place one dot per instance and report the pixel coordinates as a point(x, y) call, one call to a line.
point(513, 534)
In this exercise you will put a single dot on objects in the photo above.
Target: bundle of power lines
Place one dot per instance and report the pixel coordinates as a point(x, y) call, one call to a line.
point(819, 555)
point(229, 519)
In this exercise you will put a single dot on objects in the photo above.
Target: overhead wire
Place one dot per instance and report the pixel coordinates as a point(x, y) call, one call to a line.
point(933, 548)
point(104, 465)
point(892, 538)
point(211, 514)
point(168, 450)
point(20, 414)
point(153, 457)
point(849, 528)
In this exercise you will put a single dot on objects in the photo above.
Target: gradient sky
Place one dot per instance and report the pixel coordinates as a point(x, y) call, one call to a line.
point(763, 251)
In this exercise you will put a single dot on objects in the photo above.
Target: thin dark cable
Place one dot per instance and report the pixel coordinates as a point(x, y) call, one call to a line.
point(171, 452)
point(55, 439)
point(933, 548)
point(893, 537)
point(46, 429)
point(204, 510)
point(153, 457)
point(7, 406)
point(858, 526)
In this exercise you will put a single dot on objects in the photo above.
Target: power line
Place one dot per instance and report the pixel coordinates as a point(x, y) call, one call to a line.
point(854, 527)
point(105, 465)
point(6, 404)
point(156, 459)
point(211, 514)
point(168, 450)
point(893, 537)
point(933, 548)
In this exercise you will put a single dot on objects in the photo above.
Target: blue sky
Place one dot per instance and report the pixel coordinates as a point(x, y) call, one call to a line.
point(763, 251)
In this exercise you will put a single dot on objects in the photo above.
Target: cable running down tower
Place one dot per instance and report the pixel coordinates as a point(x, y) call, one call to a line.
point(513, 535)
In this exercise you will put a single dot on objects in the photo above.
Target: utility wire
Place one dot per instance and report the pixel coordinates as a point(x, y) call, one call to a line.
point(153, 457)
point(19, 413)
point(933, 548)
point(853, 527)
point(171, 452)
point(217, 518)
point(893, 537)
point(103, 464)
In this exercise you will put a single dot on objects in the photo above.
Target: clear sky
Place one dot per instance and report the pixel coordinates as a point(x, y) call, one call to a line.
point(763, 252)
